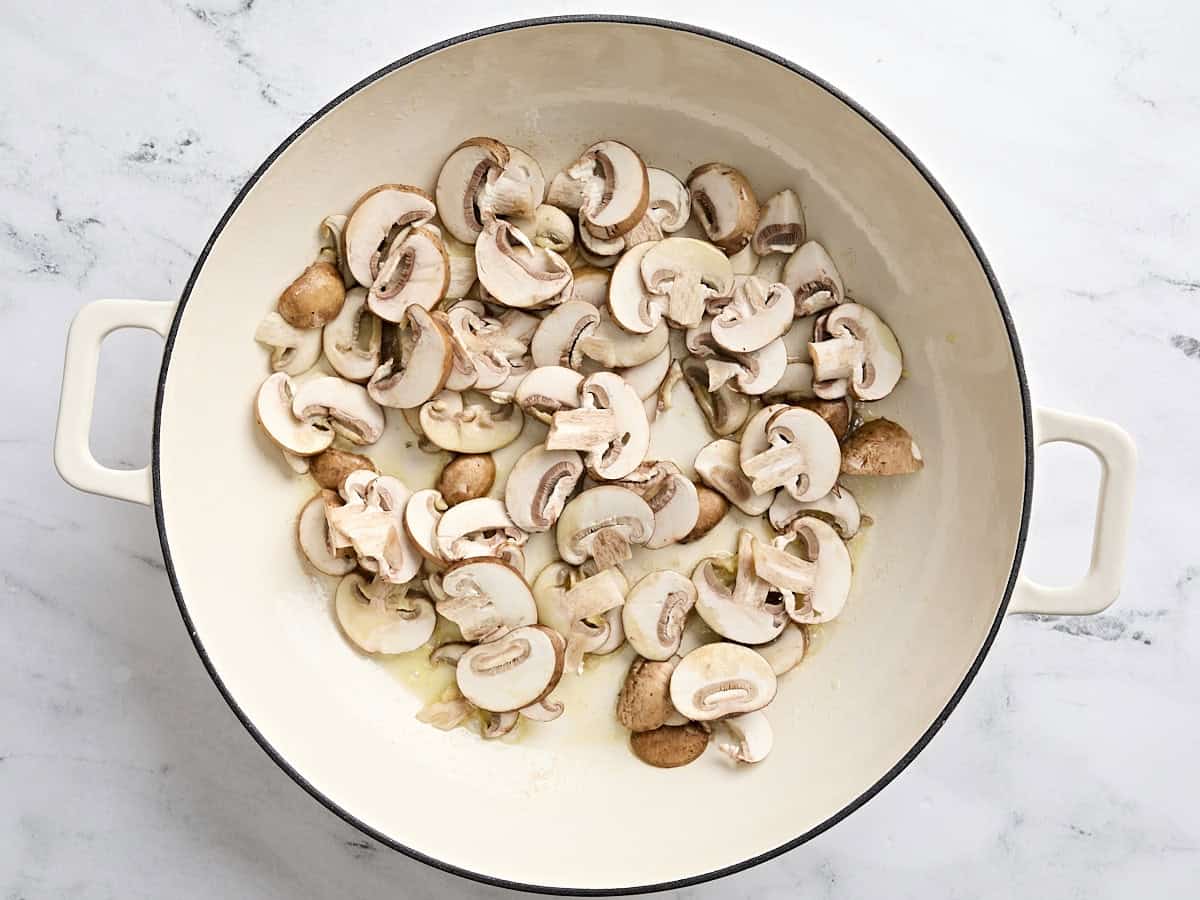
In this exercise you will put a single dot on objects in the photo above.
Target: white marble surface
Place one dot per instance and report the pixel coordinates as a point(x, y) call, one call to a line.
point(1066, 132)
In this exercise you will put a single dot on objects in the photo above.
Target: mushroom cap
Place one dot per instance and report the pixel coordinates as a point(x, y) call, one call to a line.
point(732, 599)
point(753, 373)
point(670, 204)
point(315, 296)
point(877, 361)
point(293, 350)
point(600, 246)
point(813, 279)
point(377, 212)
point(790, 447)
point(538, 486)
point(719, 466)
point(633, 307)
point(273, 409)
point(312, 533)
point(485, 598)
point(513, 671)
point(670, 746)
point(330, 468)
point(556, 341)
point(780, 225)
point(819, 544)
point(605, 507)
point(415, 272)
point(462, 177)
point(421, 516)
point(625, 194)
point(838, 413)
point(609, 391)
point(591, 285)
point(615, 348)
point(757, 314)
point(514, 271)
point(688, 271)
point(467, 477)
point(393, 622)
point(785, 652)
point(548, 389)
point(353, 340)
point(712, 507)
point(647, 378)
point(725, 409)
point(482, 515)
point(881, 447)
point(422, 371)
point(672, 498)
point(548, 227)
point(751, 735)
point(721, 679)
point(838, 507)
point(545, 710)
point(644, 702)
point(655, 612)
point(346, 405)
point(744, 262)
point(725, 205)
point(470, 423)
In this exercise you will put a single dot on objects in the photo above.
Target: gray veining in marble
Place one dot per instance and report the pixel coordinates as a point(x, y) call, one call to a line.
point(1066, 131)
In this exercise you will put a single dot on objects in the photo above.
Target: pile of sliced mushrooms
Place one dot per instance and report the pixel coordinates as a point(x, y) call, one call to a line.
point(579, 305)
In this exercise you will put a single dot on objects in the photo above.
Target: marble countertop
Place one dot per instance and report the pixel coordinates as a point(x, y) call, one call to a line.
point(1066, 132)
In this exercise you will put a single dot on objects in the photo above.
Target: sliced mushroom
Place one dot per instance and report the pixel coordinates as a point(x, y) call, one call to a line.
point(330, 468)
point(815, 584)
point(670, 205)
point(485, 349)
point(721, 679)
point(548, 227)
point(312, 532)
point(538, 486)
point(785, 652)
point(646, 379)
point(615, 348)
point(462, 267)
point(670, 746)
point(616, 188)
point(467, 477)
point(881, 447)
point(688, 273)
point(655, 611)
point(395, 621)
point(712, 507)
point(725, 409)
point(273, 409)
point(372, 522)
point(671, 497)
point(602, 247)
point(425, 356)
point(725, 205)
point(514, 271)
point(497, 725)
point(603, 523)
point(633, 307)
point(589, 615)
point(838, 507)
point(379, 217)
point(860, 348)
point(314, 298)
point(556, 342)
point(744, 262)
point(486, 598)
point(414, 272)
point(609, 426)
point(545, 710)
point(644, 702)
point(790, 447)
point(347, 407)
point(719, 466)
point(478, 527)
point(645, 231)
point(757, 314)
point(352, 341)
point(591, 285)
point(780, 225)
point(470, 423)
point(518, 189)
point(754, 373)
point(447, 713)
point(421, 516)
point(483, 178)
point(839, 414)
point(770, 268)
point(548, 389)
point(513, 671)
point(333, 230)
point(448, 654)
point(813, 279)
point(298, 464)
point(751, 737)
point(733, 600)
point(293, 350)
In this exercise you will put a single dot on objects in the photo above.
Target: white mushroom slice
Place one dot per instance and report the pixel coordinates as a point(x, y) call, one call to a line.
point(514, 271)
point(273, 409)
point(633, 307)
point(655, 611)
point(815, 585)
point(614, 348)
point(372, 522)
point(725, 205)
point(449, 654)
point(478, 527)
point(614, 638)
point(609, 426)
point(448, 713)
point(733, 600)
point(645, 231)
point(780, 225)
point(591, 610)
point(462, 180)
point(719, 680)
point(548, 389)
point(753, 373)
point(647, 378)
point(378, 217)
point(462, 267)
point(470, 423)
point(497, 725)
point(792, 448)
point(516, 190)
point(293, 350)
point(751, 737)
point(744, 262)
point(770, 268)
point(672, 498)
point(687, 272)
point(514, 671)
point(596, 260)
point(670, 205)
point(838, 507)
point(591, 285)
point(725, 409)
point(312, 532)
point(485, 349)
point(548, 227)
point(298, 464)
point(600, 246)
point(415, 272)
point(356, 485)
point(556, 342)
point(485, 598)
point(352, 341)
point(345, 405)
point(391, 622)
point(424, 364)
point(545, 710)
point(813, 279)
point(333, 242)
point(758, 314)
point(421, 516)
point(619, 201)
point(401, 559)
point(719, 466)
point(860, 348)
point(603, 523)
point(538, 486)
point(785, 652)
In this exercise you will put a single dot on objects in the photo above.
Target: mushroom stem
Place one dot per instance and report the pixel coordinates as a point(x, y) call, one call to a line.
point(835, 358)
point(609, 547)
point(776, 467)
point(685, 301)
point(581, 429)
point(782, 569)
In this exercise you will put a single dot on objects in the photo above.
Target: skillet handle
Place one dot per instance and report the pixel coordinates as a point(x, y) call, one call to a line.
point(1118, 462)
point(72, 452)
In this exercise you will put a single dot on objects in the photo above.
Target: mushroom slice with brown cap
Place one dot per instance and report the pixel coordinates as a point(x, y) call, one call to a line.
point(719, 466)
point(644, 702)
point(421, 516)
point(273, 409)
point(647, 378)
point(780, 225)
point(838, 413)
point(712, 509)
point(785, 652)
point(293, 350)
point(330, 468)
point(655, 611)
point(813, 279)
point(725, 205)
point(333, 230)
point(615, 348)
point(591, 285)
point(860, 348)
point(603, 523)
point(424, 364)
point(467, 477)
point(757, 314)
point(601, 246)
point(791, 448)
point(616, 188)
point(377, 219)
point(517, 189)
point(545, 710)
point(415, 272)
point(395, 621)
point(477, 527)
point(838, 507)
point(633, 307)
point(814, 585)
point(312, 533)
point(470, 423)
point(485, 349)
point(688, 273)
point(750, 735)
point(513, 671)
point(670, 746)
point(464, 177)
point(514, 271)
point(881, 447)
point(670, 204)
point(548, 389)
point(719, 680)
point(353, 341)
point(733, 600)
point(671, 497)
point(372, 522)
point(556, 342)
point(538, 486)
point(609, 426)
point(485, 598)
point(548, 227)
point(725, 409)
point(347, 407)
